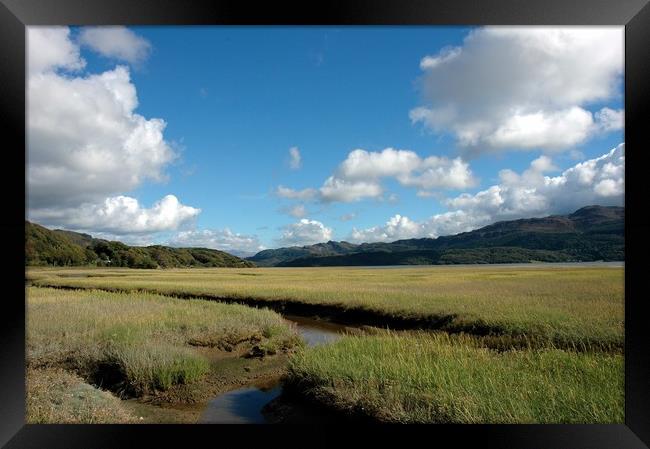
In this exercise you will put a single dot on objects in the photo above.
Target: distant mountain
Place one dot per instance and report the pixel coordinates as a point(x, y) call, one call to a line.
point(66, 248)
point(241, 253)
point(272, 257)
point(589, 234)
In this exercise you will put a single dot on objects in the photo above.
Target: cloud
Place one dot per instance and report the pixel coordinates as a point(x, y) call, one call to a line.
point(298, 211)
point(116, 42)
point(119, 215)
point(531, 193)
point(359, 175)
point(304, 232)
point(223, 240)
point(295, 161)
point(50, 48)
point(86, 145)
point(523, 88)
point(338, 189)
point(445, 55)
point(398, 227)
point(609, 188)
point(408, 168)
point(610, 119)
point(560, 129)
point(362, 164)
point(85, 142)
point(292, 194)
point(543, 164)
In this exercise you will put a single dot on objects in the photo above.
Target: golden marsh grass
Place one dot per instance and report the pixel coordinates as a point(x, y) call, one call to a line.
point(580, 306)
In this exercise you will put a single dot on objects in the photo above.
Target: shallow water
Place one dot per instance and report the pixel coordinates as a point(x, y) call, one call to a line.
point(316, 332)
point(241, 406)
point(244, 405)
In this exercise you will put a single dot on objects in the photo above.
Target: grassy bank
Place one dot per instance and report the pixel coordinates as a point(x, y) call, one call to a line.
point(137, 344)
point(425, 378)
point(570, 307)
point(55, 396)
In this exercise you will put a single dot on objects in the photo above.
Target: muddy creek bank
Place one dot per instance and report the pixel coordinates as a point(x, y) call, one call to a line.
point(263, 402)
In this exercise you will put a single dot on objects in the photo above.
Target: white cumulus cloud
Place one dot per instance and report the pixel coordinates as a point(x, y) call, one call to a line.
point(359, 175)
point(221, 239)
point(396, 228)
point(86, 146)
point(532, 193)
point(407, 168)
point(305, 194)
point(610, 119)
point(119, 215)
point(50, 48)
point(554, 130)
point(85, 140)
point(304, 232)
point(445, 55)
point(523, 88)
point(116, 42)
point(340, 189)
point(400, 227)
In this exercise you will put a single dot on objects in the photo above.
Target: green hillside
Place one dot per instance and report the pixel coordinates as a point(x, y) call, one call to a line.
point(66, 248)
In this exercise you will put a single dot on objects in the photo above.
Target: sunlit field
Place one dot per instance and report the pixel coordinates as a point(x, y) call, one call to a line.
point(424, 378)
point(505, 344)
point(580, 306)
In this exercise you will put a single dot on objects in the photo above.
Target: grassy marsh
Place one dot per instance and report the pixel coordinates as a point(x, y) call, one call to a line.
point(539, 344)
point(437, 378)
point(569, 307)
point(141, 343)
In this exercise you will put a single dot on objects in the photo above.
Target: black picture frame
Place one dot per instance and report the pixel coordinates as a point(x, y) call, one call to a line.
point(16, 14)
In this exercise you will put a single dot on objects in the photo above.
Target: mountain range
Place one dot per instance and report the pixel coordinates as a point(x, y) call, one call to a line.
point(591, 233)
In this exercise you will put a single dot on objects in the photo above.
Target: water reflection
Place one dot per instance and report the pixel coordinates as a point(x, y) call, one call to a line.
point(244, 405)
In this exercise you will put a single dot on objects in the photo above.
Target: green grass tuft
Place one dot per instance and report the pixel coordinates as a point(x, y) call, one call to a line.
point(139, 343)
point(425, 378)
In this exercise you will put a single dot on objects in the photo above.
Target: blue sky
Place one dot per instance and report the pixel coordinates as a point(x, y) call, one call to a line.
point(236, 99)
